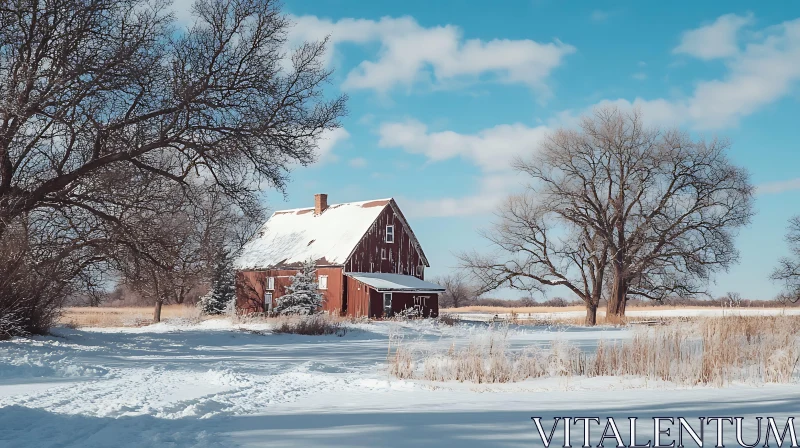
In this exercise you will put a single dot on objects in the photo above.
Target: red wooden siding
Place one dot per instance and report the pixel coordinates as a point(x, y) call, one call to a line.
point(251, 286)
point(429, 303)
point(375, 303)
point(402, 301)
point(357, 298)
point(401, 256)
point(345, 294)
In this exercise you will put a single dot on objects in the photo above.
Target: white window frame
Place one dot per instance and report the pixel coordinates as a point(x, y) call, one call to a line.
point(421, 301)
point(268, 296)
point(320, 284)
point(389, 234)
point(383, 253)
point(270, 283)
point(420, 269)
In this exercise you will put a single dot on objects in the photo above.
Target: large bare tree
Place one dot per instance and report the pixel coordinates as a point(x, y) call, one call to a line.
point(788, 270)
point(97, 95)
point(534, 246)
point(662, 206)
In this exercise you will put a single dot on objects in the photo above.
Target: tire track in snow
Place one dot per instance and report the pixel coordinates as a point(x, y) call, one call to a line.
point(174, 394)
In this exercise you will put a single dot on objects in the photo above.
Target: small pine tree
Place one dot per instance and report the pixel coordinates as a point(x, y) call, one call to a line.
point(223, 291)
point(302, 295)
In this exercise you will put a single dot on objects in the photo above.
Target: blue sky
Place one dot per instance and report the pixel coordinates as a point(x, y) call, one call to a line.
point(443, 94)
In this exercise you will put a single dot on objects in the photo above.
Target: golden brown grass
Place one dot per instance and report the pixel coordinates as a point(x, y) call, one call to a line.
point(716, 351)
point(556, 309)
point(140, 316)
point(124, 316)
point(314, 325)
point(526, 319)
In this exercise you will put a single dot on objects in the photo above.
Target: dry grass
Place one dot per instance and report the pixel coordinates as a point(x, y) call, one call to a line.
point(557, 309)
point(554, 320)
point(125, 316)
point(261, 318)
point(448, 319)
point(140, 316)
point(714, 351)
point(314, 325)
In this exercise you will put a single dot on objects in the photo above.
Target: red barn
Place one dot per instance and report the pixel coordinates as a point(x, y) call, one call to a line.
point(369, 263)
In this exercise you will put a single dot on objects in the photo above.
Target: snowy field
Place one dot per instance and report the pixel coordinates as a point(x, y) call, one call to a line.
point(638, 314)
point(217, 384)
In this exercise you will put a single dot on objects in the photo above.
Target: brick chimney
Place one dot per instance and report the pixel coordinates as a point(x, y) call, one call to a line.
point(320, 203)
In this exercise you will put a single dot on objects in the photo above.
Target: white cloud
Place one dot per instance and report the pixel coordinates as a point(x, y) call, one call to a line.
point(778, 187)
point(492, 190)
point(491, 149)
point(328, 141)
point(358, 162)
point(763, 72)
point(639, 76)
point(716, 40)
point(412, 54)
point(658, 112)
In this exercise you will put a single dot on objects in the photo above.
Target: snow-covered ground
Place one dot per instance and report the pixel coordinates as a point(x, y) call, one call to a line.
point(217, 384)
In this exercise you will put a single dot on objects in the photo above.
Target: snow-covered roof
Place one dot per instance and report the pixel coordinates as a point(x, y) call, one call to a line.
point(291, 237)
point(394, 282)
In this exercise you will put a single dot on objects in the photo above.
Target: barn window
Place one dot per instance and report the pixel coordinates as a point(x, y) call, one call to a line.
point(383, 254)
point(323, 282)
point(390, 234)
point(268, 302)
point(420, 300)
point(420, 270)
point(271, 283)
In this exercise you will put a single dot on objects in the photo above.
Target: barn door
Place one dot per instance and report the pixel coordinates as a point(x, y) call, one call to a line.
point(387, 304)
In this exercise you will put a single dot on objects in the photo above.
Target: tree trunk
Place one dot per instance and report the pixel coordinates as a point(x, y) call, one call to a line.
point(157, 311)
point(615, 311)
point(591, 315)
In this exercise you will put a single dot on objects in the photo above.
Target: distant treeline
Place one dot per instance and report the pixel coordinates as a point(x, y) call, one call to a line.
point(726, 301)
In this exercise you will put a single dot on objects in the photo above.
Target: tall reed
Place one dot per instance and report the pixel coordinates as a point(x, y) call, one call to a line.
point(714, 351)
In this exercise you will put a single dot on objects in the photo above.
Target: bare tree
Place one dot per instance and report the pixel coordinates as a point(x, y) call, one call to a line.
point(733, 299)
point(535, 247)
point(97, 96)
point(649, 210)
point(788, 270)
point(665, 206)
point(458, 291)
point(183, 232)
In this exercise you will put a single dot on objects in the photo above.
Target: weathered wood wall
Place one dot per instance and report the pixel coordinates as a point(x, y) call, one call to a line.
point(402, 301)
point(357, 298)
point(251, 286)
point(401, 257)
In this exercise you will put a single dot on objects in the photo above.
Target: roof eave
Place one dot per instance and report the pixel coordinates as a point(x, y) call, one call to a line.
point(287, 267)
point(424, 291)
